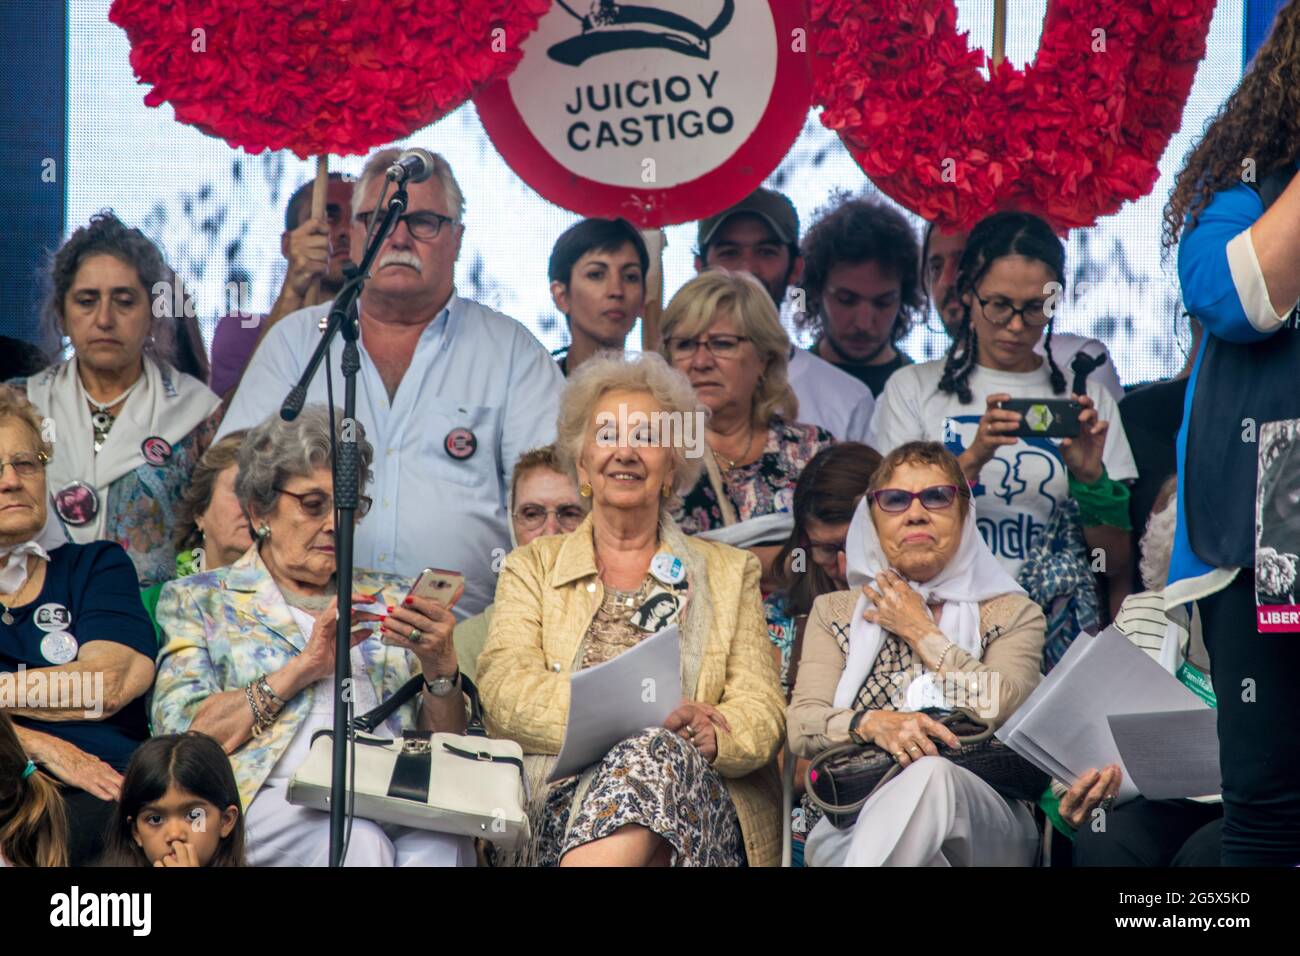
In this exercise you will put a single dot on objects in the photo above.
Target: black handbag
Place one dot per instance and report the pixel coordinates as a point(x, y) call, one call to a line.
point(841, 779)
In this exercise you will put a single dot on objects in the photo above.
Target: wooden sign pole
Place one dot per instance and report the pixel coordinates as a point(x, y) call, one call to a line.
point(319, 189)
point(999, 31)
point(655, 240)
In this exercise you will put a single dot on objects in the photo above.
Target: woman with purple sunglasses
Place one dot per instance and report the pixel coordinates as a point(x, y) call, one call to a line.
point(931, 620)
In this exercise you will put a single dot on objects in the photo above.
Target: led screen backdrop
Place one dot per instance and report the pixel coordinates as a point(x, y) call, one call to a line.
point(217, 213)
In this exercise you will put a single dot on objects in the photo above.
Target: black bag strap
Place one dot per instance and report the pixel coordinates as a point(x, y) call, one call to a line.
point(1273, 184)
point(372, 719)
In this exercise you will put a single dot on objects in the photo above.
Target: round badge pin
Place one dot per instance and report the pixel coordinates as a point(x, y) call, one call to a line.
point(156, 450)
point(77, 503)
point(59, 647)
point(667, 569)
point(460, 443)
point(52, 617)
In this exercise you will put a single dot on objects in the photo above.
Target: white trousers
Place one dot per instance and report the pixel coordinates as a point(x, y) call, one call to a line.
point(281, 834)
point(934, 813)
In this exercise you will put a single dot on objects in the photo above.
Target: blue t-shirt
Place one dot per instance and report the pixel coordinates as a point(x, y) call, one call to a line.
point(91, 593)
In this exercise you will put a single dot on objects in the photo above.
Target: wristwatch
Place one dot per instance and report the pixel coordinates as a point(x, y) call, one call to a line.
point(442, 686)
point(856, 737)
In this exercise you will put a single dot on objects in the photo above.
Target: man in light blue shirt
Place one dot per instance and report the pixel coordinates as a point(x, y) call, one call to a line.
point(450, 392)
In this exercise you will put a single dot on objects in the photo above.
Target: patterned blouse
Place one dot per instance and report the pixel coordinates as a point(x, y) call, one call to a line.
point(781, 628)
point(763, 487)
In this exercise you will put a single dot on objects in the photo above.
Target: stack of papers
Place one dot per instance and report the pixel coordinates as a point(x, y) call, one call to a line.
point(767, 529)
point(1107, 701)
point(614, 700)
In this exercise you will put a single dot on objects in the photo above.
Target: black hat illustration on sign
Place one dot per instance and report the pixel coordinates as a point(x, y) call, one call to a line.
point(613, 26)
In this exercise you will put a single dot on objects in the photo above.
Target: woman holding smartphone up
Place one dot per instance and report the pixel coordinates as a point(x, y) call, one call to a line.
point(1009, 279)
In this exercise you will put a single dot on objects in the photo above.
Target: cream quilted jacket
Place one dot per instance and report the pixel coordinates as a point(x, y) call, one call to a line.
point(547, 596)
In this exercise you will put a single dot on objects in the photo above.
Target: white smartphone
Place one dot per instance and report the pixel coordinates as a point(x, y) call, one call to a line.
point(437, 585)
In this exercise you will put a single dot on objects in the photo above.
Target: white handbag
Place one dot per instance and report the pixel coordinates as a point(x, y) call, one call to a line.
point(465, 784)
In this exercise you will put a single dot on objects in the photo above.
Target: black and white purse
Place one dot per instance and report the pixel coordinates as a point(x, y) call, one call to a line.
point(464, 784)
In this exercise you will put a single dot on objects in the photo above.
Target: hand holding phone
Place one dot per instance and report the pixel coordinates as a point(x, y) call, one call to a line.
point(438, 585)
point(1044, 417)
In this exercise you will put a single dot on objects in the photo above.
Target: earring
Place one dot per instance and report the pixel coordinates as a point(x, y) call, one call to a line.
point(263, 532)
point(585, 490)
point(666, 490)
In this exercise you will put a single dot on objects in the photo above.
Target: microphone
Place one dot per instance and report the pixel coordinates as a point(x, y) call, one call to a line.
point(413, 166)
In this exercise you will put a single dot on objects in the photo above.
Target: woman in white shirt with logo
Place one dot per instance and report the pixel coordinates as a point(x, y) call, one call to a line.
point(1011, 270)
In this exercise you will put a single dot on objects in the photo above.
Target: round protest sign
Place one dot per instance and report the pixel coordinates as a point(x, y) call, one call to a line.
point(660, 112)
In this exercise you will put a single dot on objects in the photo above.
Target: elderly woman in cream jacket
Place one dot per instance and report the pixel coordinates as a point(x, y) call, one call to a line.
point(937, 623)
point(700, 790)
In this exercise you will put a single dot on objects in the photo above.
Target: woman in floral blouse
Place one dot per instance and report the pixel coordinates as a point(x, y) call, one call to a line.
point(722, 331)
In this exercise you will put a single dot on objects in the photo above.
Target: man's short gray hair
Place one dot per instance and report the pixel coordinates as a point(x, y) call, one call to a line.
point(377, 165)
point(645, 372)
point(276, 451)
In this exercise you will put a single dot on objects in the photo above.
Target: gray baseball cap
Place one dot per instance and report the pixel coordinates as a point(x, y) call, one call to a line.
point(770, 206)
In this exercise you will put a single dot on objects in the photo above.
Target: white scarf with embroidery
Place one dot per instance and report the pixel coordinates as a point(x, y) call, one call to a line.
point(167, 404)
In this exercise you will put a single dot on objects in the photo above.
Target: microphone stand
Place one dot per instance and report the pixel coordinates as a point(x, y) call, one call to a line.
point(344, 318)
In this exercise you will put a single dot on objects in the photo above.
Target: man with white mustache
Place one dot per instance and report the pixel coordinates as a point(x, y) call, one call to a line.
point(450, 392)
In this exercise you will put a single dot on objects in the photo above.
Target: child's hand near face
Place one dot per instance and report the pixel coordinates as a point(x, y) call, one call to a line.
point(183, 854)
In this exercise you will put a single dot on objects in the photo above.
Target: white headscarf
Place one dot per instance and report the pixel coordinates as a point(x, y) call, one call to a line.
point(13, 560)
point(168, 404)
point(973, 575)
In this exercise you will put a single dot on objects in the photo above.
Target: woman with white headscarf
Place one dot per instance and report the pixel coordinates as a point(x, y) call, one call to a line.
point(932, 620)
point(127, 427)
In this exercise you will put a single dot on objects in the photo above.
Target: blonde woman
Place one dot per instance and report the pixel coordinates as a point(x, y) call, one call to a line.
point(701, 790)
point(722, 332)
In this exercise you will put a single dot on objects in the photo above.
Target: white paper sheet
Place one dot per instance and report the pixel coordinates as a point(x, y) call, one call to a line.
point(766, 529)
point(1170, 754)
point(1063, 728)
point(611, 701)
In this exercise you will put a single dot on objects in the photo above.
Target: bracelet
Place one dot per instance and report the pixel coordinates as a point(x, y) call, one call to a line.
point(260, 721)
point(950, 646)
point(274, 702)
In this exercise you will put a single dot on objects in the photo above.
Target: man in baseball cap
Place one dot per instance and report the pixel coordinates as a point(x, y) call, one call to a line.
point(760, 235)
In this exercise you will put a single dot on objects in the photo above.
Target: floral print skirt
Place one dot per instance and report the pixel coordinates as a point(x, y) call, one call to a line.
point(659, 781)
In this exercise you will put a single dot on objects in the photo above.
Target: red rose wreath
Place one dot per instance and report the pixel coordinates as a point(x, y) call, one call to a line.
point(320, 76)
point(1073, 136)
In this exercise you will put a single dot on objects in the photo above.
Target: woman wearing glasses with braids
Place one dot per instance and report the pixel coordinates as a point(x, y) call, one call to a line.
point(931, 620)
point(722, 332)
point(248, 650)
point(1008, 280)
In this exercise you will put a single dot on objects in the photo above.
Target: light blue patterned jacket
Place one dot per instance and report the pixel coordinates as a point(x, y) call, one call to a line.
point(224, 628)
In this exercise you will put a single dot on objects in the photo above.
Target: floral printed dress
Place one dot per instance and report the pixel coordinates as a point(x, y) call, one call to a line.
point(654, 779)
point(764, 486)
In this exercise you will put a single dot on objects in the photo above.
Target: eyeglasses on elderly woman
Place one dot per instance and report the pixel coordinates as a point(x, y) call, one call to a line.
point(25, 464)
point(316, 504)
point(933, 498)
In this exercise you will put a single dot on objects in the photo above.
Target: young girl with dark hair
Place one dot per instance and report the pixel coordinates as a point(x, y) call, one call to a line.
point(33, 824)
point(179, 807)
point(1011, 275)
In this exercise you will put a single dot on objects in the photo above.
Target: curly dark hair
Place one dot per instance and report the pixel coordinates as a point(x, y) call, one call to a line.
point(106, 234)
point(996, 236)
point(1259, 122)
point(856, 231)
